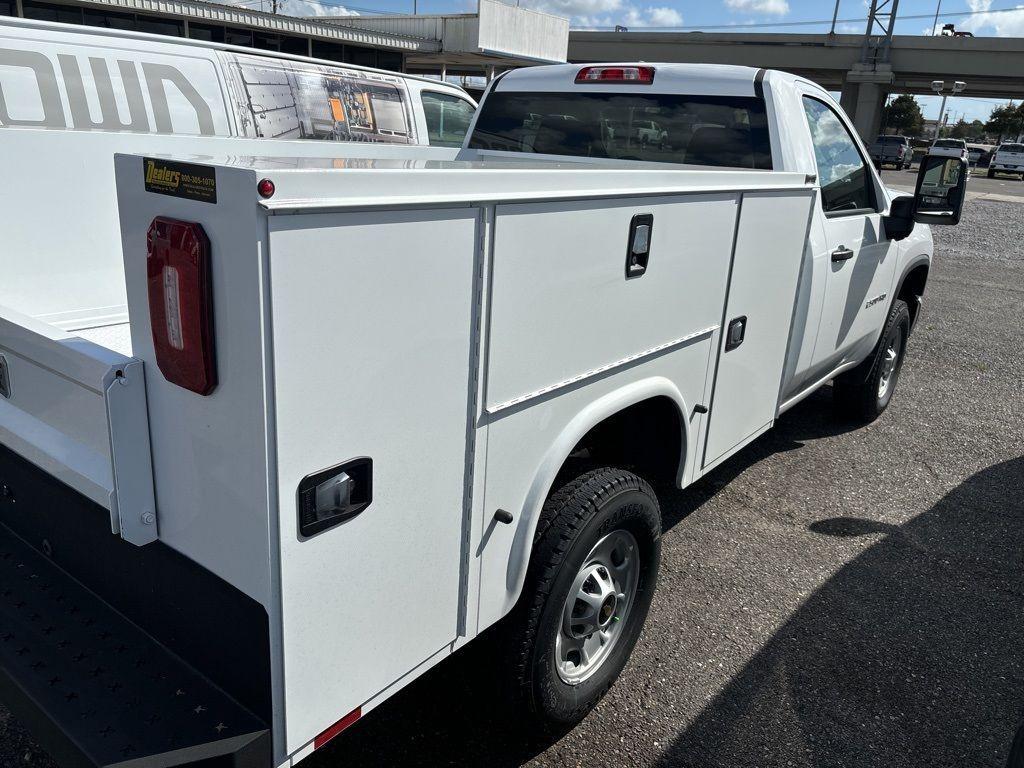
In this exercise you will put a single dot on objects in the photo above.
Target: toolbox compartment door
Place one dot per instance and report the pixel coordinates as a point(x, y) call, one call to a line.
point(373, 329)
point(759, 306)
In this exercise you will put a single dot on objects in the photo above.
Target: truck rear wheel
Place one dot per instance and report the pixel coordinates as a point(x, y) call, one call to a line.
point(587, 592)
point(864, 392)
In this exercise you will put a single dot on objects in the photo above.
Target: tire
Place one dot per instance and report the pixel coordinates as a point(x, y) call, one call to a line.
point(992, 174)
point(580, 518)
point(859, 393)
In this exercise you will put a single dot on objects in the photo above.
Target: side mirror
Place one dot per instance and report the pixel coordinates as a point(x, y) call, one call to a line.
point(941, 189)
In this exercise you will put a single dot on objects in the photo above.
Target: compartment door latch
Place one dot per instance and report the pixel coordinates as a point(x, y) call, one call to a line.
point(736, 333)
point(638, 251)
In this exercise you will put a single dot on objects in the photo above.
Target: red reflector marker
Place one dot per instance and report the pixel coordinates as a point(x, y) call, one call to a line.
point(265, 187)
point(617, 75)
point(181, 303)
point(337, 728)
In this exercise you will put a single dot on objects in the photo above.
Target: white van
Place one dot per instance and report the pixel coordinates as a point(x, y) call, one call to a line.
point(73, 96)
point(68, 77)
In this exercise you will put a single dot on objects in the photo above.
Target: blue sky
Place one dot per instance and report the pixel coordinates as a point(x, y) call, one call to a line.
point(1002, 18)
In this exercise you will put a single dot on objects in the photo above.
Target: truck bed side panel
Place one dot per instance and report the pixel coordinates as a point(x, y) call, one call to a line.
point(373, 317)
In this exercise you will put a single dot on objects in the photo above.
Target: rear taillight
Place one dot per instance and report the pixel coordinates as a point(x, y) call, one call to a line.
point(617, 75)
point(181, 303)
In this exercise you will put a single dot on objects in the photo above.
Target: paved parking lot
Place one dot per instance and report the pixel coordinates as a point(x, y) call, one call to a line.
point(832, 596)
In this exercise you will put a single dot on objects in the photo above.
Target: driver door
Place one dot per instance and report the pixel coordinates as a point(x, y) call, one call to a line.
point(860, 260)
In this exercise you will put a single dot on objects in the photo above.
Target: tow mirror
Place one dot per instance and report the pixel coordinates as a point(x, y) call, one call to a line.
point(941, 189)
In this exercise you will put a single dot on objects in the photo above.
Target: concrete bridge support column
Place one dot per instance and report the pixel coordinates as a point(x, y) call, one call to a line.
point(863, 96)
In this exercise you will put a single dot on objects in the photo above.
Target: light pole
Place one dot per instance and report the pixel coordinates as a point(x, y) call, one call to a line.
point(938, 86)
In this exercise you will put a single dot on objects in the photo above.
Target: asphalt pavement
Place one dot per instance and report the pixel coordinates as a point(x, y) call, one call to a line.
point(834, 595)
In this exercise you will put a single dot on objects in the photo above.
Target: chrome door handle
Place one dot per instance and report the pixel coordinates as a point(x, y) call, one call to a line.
point(842, 253)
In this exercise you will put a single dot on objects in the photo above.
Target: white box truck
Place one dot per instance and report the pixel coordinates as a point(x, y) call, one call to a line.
point(363, 409)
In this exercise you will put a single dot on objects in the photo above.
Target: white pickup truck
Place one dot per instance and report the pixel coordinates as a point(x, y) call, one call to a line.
point(364, 408)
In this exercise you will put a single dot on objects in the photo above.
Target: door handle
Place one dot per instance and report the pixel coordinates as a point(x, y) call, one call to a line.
point(842, 253)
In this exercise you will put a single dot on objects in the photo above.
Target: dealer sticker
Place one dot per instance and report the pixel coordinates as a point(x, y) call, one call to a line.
point(187, 180)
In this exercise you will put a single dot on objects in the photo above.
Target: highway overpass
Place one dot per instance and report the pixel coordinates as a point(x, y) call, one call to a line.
point(992, 67)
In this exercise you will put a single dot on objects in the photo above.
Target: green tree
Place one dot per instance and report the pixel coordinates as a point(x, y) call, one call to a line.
point(961, 130)
point(1008, 119)
point(903, 114)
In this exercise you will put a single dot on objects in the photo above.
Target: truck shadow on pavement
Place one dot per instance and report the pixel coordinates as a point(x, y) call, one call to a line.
point(810, 419)
point(910, 655)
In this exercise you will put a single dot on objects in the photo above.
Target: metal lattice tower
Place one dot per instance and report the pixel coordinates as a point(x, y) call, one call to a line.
point(878, 35)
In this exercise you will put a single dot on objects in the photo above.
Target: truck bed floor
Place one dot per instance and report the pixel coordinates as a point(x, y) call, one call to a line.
point(97, 689)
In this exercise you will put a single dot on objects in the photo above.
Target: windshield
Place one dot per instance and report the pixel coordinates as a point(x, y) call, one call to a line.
point(727, 131)
point(1012, 148)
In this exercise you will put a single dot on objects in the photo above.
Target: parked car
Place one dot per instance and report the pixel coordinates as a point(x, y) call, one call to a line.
point(649, 132)
point(951, 148)
point(364, 407)
point(1008, 158)
point(892, 150)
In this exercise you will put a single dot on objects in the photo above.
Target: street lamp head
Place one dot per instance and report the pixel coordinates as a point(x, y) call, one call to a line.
point(958, 86)
point(937, 85)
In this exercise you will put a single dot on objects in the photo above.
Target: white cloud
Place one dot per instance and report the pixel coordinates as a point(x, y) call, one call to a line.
point(664, 17)
point(609, 13)
point(300, 8)
point(773, 7)
point(1005, 24)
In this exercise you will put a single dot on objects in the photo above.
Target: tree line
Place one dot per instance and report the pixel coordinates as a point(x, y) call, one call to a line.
point(903, 114)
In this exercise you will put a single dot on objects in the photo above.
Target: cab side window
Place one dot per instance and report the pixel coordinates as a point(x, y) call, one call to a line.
point(845, 181)
point(448, 118)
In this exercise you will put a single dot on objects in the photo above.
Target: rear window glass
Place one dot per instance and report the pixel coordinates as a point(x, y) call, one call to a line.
point(1012, 148)
point(727, 131)
point(949, 143)
point(892, 140)
point(281, 99)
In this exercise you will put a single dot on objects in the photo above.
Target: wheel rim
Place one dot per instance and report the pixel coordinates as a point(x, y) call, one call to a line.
point(596, 611)
point(889, 362)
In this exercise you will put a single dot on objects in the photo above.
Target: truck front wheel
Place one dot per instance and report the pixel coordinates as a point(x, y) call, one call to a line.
point(864, 392)
point(587, 592)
